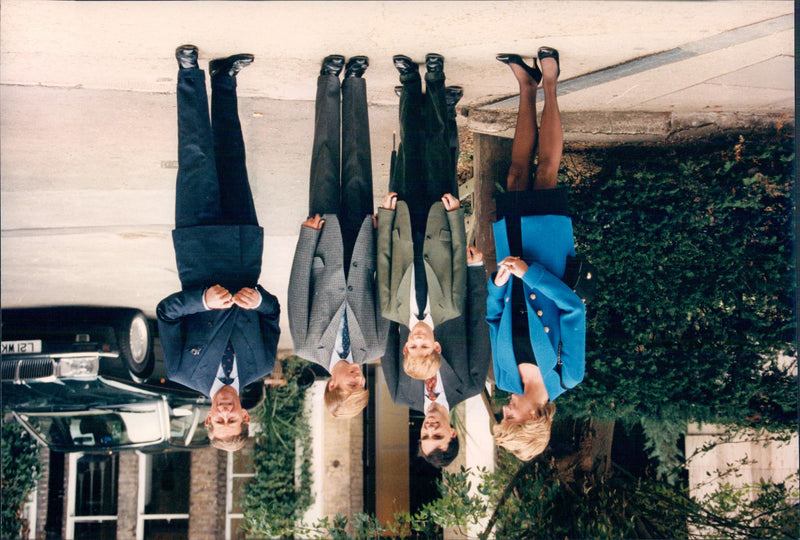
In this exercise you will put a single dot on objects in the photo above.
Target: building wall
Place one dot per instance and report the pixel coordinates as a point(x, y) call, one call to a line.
point(207, 497)
point(127, 495)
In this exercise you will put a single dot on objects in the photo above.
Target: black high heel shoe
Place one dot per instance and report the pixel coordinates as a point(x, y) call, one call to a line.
point(534, 71)
point(549, 52)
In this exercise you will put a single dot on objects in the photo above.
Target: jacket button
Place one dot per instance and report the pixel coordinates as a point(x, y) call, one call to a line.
point(427, 237)
point(533, 296)
point(355, 264)
point(507, 299)
point(349, 287)
point(426, 257)
point(588, 275)
point(539, 313)
point(547, 329)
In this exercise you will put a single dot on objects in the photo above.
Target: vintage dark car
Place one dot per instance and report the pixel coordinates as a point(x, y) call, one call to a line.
point(92, 379)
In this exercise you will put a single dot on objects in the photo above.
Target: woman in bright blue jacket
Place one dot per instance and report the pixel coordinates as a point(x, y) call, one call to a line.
point(537, 322)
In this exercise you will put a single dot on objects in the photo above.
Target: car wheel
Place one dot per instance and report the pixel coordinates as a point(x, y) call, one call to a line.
point(135, 342)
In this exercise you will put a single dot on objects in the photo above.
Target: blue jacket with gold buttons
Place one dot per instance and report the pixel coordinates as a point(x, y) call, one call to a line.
point(557, 315)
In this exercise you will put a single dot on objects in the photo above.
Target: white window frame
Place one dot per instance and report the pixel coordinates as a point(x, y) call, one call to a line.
point(141, 517)
point(72, 484)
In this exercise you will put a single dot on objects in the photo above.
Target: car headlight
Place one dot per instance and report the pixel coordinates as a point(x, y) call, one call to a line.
point(79, 367)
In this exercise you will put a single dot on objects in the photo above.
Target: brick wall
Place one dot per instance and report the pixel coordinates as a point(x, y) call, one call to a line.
point(127, 495)
point(207, 495)
point(41, 491)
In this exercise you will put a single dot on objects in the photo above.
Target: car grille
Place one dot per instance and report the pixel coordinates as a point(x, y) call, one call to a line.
point(28, 368)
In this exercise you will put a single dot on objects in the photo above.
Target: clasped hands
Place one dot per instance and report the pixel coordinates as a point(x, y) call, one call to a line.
point(508, 267)
point(218, 297)
point(449, 201)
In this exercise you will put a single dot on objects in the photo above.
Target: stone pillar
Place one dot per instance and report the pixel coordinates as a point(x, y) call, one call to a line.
point(127, 495)
point(206, 505)
point(491, 158)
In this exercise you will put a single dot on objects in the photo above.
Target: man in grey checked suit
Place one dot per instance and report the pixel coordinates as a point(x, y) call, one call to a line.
point(333, 317)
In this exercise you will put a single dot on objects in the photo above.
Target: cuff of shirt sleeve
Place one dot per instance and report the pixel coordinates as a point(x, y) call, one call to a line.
point(203, 297)
point(475, 264)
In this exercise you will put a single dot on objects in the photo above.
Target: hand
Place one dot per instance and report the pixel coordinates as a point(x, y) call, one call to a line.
point(515, 265)
point(218, 297)
point(247, 298)
point(315, 222)
point(501, 278)
point(450, 202)
point(473, 255)
point(390, 201)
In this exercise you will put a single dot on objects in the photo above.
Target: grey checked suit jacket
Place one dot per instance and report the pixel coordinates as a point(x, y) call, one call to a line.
point(318, 293)
point(466, 352)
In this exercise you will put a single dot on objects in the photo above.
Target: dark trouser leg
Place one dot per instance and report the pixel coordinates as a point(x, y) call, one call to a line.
point(438, 164)
point(452, 140)
point(197, 197)
point(356, 163)
point(407, 179)
point(235, 195)
point(324, 189)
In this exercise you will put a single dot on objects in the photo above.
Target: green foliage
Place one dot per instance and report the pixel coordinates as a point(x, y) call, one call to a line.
point(279, 493)
point(20, 462)
point(693, 248)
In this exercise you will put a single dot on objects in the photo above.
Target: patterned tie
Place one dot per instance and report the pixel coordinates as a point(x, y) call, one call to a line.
point(430, 384)
point(345, 338)
point(227, 364)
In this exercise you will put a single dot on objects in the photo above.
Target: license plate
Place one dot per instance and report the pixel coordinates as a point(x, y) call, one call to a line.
point(22, 347)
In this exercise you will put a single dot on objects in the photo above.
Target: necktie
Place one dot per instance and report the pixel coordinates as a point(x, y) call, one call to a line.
point(430, 385)
point(345, 338)
point(227, 364)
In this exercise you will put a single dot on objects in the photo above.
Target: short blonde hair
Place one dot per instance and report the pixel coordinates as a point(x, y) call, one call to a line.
point(422, 366)
point(528, 439)
point(231, 444)
point(343, 403)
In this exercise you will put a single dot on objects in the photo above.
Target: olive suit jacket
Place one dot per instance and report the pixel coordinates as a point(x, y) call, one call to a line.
point(466, 352)
point(444, 255)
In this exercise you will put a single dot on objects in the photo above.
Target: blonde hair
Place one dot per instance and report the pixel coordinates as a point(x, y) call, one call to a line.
point(343, 403)
point(231, 444)
point(527, 439)
point(422, 366)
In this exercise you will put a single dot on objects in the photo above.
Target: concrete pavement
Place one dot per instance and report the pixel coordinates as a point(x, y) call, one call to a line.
point(87, 108)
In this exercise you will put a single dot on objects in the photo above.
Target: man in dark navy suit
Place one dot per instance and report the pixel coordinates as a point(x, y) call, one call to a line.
point(220, 332)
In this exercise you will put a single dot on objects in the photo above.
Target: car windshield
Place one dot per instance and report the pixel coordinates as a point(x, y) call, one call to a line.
point(186, 426)
point(133, 425)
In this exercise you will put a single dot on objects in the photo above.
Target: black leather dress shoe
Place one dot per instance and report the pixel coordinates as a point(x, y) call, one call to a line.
point(398, 90)
point(452, 95)
point(434, 62)
point(332, 65)
point(404, 64)
point(356, 66)
point(230, 65)
point(186, 56)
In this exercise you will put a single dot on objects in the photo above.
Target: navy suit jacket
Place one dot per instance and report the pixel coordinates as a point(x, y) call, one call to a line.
point(194, 338)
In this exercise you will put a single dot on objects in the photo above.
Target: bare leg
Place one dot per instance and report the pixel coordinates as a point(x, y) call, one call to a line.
point(551, 142)
point(525, 133)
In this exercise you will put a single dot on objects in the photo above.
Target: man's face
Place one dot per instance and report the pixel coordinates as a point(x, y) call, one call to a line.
point(421, 341)
point(436, 432)
point(518, 410)
point(347, 376)
point(226, 414)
